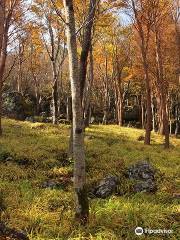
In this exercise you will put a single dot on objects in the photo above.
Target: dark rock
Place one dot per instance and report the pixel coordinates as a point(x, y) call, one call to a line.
point(141, 171)
point(143, 175)
point(106, 187)
point(145, 186)
point(11, 234)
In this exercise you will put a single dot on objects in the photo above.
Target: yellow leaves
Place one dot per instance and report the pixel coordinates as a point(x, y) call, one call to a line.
point(129, 77)
point(35, 9)
point(59, 3)
point(115, 3)
point(35, 37)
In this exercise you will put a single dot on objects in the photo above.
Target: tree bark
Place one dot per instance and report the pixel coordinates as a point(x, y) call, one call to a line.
point(162, 89)
point(177, 29)
point(2, 59)
point(0, 105)
point(148, 125)
point(87, 92)
point(20, 61)
point(38, 97)
point(86, 45)
point(5, 20)
point(120, 96)
point(106, 92)
point(81, 199)
point(144, 46)
point(142, 111)
point(55, 102)
point(54, 87)
point(68, 109)
point(177, 116)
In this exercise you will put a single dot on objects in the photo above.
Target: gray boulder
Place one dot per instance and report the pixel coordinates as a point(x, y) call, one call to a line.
point(143, 175)
point(145, 186)
point(106, 187)
point(141, 171)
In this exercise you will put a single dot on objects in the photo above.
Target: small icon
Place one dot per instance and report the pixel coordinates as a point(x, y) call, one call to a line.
point(139, 231)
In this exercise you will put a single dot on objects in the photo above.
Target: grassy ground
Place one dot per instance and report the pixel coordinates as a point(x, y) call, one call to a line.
point(38, 152)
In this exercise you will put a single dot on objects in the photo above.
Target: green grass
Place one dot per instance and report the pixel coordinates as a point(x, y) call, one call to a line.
point(47, 214)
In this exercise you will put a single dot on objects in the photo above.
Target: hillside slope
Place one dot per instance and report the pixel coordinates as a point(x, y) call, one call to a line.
point(33, 155)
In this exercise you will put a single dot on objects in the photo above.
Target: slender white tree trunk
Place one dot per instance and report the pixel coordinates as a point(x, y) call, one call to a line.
point(81, 200)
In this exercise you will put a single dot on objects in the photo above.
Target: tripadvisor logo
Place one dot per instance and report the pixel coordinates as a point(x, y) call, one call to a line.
point(139, 231)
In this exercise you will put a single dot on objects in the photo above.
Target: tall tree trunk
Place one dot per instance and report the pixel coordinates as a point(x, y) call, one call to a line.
point(106, 107)
point(37, 93)
point(177, 116)
point(144, 46)
point(87, 92)
point(54, 93)
point(2, 60)
point(153, 117)
point(177, 29)
point(55, 102)
point(2, 67)
point(19, 80)
point(87, 117)
point(68, 109)
point(38, 97)
point(159, 111)
point(120, 100)
point(81, 199)
point(3, 56)
point(148, 125)
point(2, 16)
point(4, 29)
point(142, 111)
point(120, 109)
point(105, 116)
point(0, 105)
point(106, 92)
point(162, 89)
point(86, 45)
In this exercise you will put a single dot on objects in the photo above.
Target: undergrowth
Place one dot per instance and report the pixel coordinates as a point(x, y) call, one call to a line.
point(32, 153)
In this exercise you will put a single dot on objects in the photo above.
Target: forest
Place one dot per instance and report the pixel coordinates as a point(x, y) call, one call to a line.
point(89, 119)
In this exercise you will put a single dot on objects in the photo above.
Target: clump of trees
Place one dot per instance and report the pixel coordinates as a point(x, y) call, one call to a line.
point(77, 58)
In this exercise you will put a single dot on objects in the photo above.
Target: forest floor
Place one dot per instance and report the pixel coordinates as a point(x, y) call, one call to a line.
point(33, 153)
